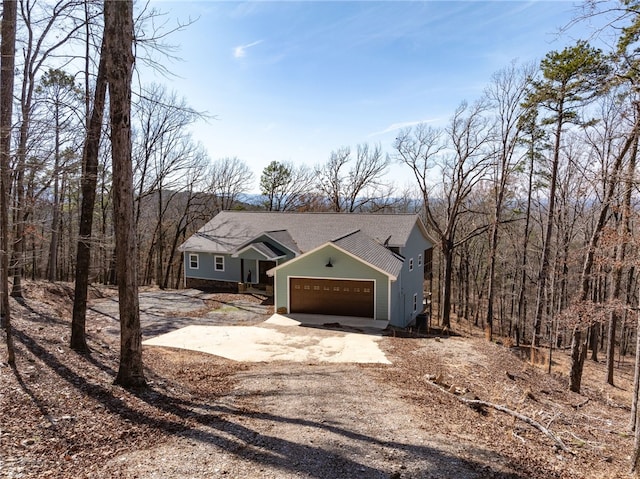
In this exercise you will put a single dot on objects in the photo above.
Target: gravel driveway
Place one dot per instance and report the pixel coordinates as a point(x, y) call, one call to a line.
point(241, 330)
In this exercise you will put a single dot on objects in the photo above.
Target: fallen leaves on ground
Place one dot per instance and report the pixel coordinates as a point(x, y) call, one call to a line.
point(62, 416)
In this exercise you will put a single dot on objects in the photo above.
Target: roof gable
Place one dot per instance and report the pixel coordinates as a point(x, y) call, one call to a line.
point(266, 250)
point(359, 246)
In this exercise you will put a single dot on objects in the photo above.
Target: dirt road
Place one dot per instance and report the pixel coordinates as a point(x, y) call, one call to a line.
point(309, 421)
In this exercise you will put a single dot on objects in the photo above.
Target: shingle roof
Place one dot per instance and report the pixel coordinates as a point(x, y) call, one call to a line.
point(284, 238)
point(360, 245)
point(230, 229)
point(265, 249)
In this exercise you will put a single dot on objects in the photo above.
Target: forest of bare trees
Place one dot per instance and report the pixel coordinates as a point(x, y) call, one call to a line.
point(530, 192)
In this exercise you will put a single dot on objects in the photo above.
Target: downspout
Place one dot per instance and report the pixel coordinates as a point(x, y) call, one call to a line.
point(184, 268)
point(389, 299)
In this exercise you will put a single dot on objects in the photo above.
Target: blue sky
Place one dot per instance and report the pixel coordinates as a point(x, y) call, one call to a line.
point(292, 81)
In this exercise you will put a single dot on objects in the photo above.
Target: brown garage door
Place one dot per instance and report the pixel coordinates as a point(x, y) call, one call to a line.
point(331, 296)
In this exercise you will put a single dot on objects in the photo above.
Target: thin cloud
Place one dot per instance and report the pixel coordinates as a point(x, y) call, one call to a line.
point(241, 50)
point(401, 125)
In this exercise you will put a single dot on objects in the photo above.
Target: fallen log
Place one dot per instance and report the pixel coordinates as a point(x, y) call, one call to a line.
point(478, 403)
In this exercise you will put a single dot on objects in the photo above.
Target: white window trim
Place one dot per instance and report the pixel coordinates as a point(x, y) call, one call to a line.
point(197, 261)
point(410, 264)
point(415, 302)
point(215, 263)
point(419, 260)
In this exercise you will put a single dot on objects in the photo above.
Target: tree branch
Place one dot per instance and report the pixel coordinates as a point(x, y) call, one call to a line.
point(477, 403)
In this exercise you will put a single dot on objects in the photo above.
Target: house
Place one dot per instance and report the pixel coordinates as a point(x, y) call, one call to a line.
point(364, 265)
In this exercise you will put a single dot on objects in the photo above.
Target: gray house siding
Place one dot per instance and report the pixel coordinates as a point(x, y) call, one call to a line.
point(206, 269)
point(397, 305)
point(344, 266)
point(411, 281)
point(233, 267)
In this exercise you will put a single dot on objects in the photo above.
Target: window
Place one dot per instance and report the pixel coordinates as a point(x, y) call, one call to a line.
point(411, 264)
point(415, 302)
point(219, 263)
point(419, 260)
point(194, 261)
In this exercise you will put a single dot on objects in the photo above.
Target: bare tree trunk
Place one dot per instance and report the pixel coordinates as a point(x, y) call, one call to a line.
point(19, 218)
point(88, 184)
point(633, 423)
point(447, 253)
point(585, 278)
point(593, 340)
point(577, 360)
point(20, 213)
point(625, 233)
point(172, 253)
point(118, 33)
point(7, 65)
point(522, 298)
point(546, 245)
point(635, 411)
point(506, 93)
point(180, 231)
point(52, 266)
point(493, 247)
point(160, 250)
point(611, 343)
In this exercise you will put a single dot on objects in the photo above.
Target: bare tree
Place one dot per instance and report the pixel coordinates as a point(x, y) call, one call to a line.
point(7, 63)
point(118, 33)
point(161, 120)
point(90, 154)
point(163, 151)
point(601, 220)
point(331, 177)
point(613, 141)
point(506, 93)
point(229, 178)
point(361, 185)
point(462, 163)
point(364, 183)
point(534, 140)
point(285, 185)
point(189, 212)
point(61, 94)
point(48, 28)
point(191, 158)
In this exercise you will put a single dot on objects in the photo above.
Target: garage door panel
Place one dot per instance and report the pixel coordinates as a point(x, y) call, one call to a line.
point(332, 297)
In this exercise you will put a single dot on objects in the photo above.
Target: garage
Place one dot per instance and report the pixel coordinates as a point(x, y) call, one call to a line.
point(337, 297)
